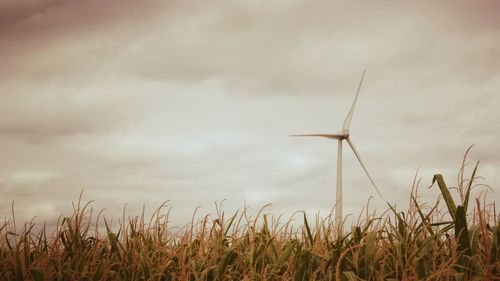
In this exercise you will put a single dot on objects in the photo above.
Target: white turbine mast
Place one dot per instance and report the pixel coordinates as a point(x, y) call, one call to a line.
point(340, 137)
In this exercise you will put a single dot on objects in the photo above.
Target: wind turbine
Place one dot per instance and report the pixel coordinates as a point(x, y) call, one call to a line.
point(340, 137)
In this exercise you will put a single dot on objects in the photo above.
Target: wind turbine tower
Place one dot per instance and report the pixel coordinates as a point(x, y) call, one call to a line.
point(340, 137)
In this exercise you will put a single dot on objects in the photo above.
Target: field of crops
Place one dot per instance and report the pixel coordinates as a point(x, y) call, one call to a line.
point(441, 240)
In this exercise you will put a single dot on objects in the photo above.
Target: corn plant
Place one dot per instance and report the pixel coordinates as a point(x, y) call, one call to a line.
point(417, 244)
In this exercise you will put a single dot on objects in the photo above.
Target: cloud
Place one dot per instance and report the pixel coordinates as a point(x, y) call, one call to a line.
point(313, 48)
point(39, 115)
point(43, 40)
point(38, 18)
point(194, 101)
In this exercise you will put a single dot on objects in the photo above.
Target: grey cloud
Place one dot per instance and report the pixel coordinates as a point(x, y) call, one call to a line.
point(42, 40)
point(43, 116)
point(34, 18)
point(288, 48)
point(14, 12)
point(194, 101)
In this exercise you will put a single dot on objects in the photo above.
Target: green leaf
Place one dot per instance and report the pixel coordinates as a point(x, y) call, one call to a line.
point(309, 235)
point(37, 274)
point(461, 231)
point(211, 274)
point(446, 194)
point(98, 272)
point(230, 223)
point(421, 268)
point(469, 187)
point(459, 276)
point(285, 255)
point(425, 219)
point(351, 276)
point(228, 259)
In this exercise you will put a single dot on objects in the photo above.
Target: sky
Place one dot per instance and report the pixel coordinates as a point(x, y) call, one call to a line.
point(139, 102)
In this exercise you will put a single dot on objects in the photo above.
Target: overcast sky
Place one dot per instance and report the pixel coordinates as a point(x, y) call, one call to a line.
point(139, 102)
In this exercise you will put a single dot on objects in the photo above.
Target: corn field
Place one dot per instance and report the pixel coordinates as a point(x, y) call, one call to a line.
point(443, 240)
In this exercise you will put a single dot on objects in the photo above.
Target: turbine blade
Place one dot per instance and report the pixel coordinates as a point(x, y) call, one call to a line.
point(328, 136)
point(348, 118)
point(363, 165)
